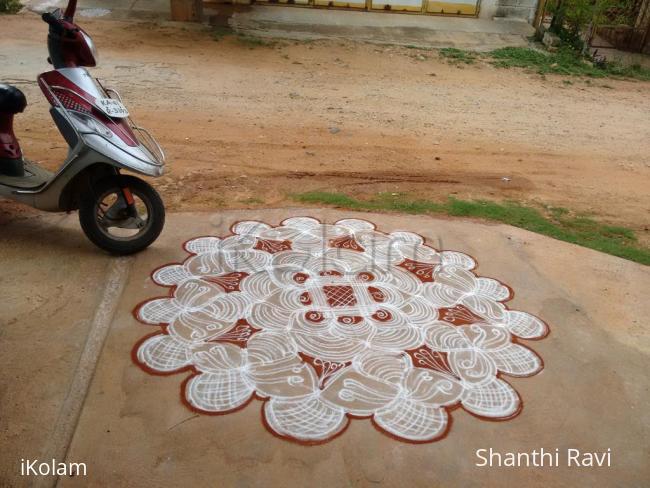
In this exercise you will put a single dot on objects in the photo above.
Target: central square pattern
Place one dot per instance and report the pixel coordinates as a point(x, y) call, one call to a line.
point(340, 295)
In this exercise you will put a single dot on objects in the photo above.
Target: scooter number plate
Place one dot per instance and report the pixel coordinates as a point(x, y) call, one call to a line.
point(112, 108)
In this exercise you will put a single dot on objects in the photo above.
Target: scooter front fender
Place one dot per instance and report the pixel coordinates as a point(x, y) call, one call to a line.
point(134, 159)
point(55, 197)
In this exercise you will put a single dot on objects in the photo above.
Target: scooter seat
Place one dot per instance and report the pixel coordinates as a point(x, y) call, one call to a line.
point(12, 100)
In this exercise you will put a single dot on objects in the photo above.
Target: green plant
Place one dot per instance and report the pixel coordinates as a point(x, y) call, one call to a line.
point(221, 31)
point(253, 42)
point(566, 61)
point(10, 6)
point(458, 56)
point(555, 222)
point(251, 201)
point(573, 18)
point(623, 12)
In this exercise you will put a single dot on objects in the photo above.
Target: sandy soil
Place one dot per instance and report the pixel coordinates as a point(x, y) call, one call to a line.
point(245, 125)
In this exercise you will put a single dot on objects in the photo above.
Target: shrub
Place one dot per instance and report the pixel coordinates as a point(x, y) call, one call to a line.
point(573, 19)
point(10, 6)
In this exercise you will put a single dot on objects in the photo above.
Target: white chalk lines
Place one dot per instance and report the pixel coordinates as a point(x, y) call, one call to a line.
point(331, 322)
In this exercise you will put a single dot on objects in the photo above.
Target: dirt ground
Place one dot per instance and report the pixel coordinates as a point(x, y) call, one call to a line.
point(245, 125)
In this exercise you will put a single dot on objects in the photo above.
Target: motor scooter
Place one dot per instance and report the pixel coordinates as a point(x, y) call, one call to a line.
point(120, 213)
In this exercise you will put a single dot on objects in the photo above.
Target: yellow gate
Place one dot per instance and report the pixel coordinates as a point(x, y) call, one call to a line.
point(448, 7)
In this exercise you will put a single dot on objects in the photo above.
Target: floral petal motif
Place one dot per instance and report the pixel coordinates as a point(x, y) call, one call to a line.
point(288, 377)
point(250, 227)
point(276, 369)
point(198, 325)
point(442, 296)
point(328, 346)
point(387, 367)
point(422, 254)
point(432, 387)
point(419, 311)
point(219, 392)
point(413, 421)
point(404, 280)
point(356, 225)
point(247, 261)
point(358, 394)
point(346, 242)
point(496, 399)
point(158, 311)
point(441, 336)
point(307, 419)
point(453, 258)
point(258, 285)
point(328, 322)
point(472, 366)
point(407, 237)
point(423, 271)
point(265, 315)
point(400, 337)
point(486, 337)
point(516, 360)
point(215, 358)
point(493, 289)
point(171, 275)
point(525, 325)
point(301, 223)
point(268, 347)
point(164, 354)
point(196, 293)
point(203, 245)
point(485, 307)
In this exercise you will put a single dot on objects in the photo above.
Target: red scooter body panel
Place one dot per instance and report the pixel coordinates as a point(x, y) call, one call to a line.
point(9, 146)
point(12, 101)
point(74, 46)
point(73, 97)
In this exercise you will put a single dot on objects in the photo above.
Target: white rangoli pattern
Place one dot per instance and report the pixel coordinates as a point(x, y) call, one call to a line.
point(325, 323)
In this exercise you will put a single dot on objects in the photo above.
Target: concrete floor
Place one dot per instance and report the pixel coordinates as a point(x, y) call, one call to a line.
point(59, 297)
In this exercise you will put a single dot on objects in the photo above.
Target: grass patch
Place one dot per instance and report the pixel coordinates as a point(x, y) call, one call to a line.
point(565, 61)
point(458, 56)
point(555, 222)
point(253, 42)
point(221, 31)
point(251, 201)
point(10, 6)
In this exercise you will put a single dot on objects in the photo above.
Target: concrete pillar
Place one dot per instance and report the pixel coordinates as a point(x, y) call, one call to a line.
point(187, 10)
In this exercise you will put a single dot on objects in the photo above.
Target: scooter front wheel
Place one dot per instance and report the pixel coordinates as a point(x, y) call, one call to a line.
point(122, 214)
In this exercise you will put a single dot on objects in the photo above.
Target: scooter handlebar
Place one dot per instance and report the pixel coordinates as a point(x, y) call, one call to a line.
point(53, 21)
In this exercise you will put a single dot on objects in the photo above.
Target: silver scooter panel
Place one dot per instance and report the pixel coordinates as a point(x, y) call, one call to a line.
point(95, 142)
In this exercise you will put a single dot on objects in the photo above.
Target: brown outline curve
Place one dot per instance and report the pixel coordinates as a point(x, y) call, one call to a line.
point(254, 396)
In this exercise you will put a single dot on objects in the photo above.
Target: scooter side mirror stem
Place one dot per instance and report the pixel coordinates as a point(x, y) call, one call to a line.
point(70, 10)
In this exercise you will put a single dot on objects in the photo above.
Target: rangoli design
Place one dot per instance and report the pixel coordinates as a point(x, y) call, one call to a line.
point(327, 323)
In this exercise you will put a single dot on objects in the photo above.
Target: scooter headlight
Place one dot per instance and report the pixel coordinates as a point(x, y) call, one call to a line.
point(90, 124)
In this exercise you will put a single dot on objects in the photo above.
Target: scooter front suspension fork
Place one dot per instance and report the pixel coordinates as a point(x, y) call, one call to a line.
point(130, 201)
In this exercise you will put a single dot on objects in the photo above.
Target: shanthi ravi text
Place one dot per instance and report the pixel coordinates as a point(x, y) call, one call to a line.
point(543, 458)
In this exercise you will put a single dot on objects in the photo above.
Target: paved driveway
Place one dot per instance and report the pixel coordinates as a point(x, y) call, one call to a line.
point(66, 308)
